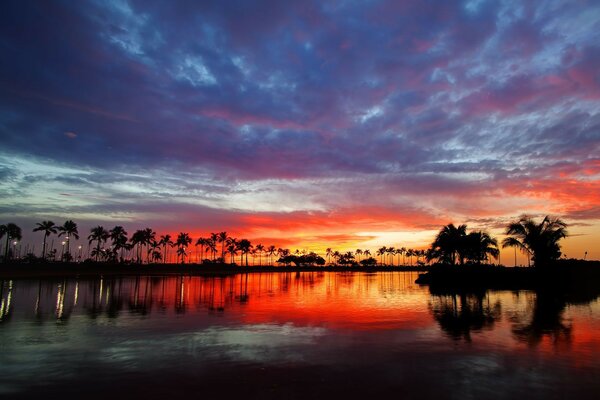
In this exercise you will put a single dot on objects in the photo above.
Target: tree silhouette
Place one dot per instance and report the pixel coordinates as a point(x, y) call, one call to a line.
point(118, 236)
point(222, 238)
point(183, 241)
point(480, 246)
point(69, 229)
point(48, 227)
point(449, 243)
point(259, 250)
point(12, 232)
point(381, 252)
point(540, 241)
point(165, 240)
point(244, 246)
point(271, 250)
point(100, 235)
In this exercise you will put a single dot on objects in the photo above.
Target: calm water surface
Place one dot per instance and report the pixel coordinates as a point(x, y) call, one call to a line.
point(292, 335)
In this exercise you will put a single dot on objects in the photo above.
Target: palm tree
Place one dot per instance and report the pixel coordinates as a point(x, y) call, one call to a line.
point(480, 246)
point(410, 253)
point(367, 253)
point(391, 251)
point(449, 243)
point(336, 256)
point(214, 239)
point(381, 252)
point(98, 234)
point(183, 240)
point(165, 240)
point(69, 229)
point(399, 252)
point(328, 254)
point(211, 245)
point(118, 236)
point(244, 246)
point(12, 231)
point(48, 227)
point(259, 249)
point(358, 253)
point(201, 242)
point(222, 238)
point(403, 252)
point(540, 241)
point(153, 249)
point(232, 249)
point(271, 250)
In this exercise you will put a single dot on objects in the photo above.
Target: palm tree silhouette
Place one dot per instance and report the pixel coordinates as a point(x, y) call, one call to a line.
point(12, 232)
point(259, 250)
point(381, 252)
point(540, 241)
point(100, 235)
point(480, 246)
point(48, 227)
point(222, 238)
point(201, 242)
point(328, 254)
point(232, 249)
point(165, 240)
point(69, 229)
point(367, 253)
point(271, 250)
point(449, 242)
point(118, 236)
point(244, 246)
point(358, 253)
point(183, 241)
point(153, 249)
point(336, 256)
point(391, 251)
point(214, 239)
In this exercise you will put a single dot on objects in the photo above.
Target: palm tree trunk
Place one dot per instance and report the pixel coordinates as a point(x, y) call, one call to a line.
point(44, 249)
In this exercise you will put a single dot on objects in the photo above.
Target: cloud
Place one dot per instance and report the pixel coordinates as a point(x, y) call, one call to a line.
point(451, 111)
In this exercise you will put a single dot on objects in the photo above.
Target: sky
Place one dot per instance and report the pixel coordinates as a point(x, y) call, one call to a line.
point(306, 124)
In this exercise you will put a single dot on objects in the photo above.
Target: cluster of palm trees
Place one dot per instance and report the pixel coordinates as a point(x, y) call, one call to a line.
point(452, 245)
point(538, 241)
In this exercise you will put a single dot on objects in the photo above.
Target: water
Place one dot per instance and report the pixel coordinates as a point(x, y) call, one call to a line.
point(292, 335)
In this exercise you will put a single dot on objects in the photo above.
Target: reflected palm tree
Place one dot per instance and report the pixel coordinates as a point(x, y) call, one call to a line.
point(546, 320)
point(459, 314)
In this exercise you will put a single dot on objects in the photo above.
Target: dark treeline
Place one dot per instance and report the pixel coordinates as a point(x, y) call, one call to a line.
point(453, 245)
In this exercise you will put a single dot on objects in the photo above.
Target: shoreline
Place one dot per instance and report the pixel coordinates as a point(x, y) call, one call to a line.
point(55, 270)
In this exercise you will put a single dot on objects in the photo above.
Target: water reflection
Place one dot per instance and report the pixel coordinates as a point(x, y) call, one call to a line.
point(544, 318)
point(5, 299)
point(144, 295)
point(336, 331)
point(460, 314)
